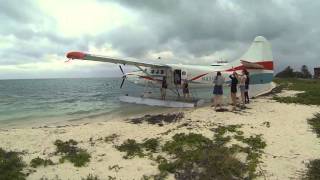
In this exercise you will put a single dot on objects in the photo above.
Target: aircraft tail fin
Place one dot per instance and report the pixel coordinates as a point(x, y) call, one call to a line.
point(258, 56)
point(259, 53)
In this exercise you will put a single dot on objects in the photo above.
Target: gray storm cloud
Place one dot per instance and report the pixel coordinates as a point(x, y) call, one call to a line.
point(190, 30)
point(207, 26)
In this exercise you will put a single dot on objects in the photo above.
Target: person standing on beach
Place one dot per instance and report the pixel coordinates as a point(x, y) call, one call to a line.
point(164, 87)
point(233, 87)
point(242, 86)
point(185, 89)
point(246, 92)
point(218, 90)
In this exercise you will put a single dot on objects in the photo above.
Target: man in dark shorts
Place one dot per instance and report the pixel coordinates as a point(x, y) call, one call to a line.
point(185, 89)
point(233, 86)
point(246, 92)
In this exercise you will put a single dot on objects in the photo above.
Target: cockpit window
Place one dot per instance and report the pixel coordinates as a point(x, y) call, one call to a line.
point(183, 73)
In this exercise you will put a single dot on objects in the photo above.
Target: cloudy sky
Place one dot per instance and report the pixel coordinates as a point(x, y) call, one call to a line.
point(36, 34)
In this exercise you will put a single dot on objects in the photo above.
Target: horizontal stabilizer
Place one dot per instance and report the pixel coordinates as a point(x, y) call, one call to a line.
point(251, 65)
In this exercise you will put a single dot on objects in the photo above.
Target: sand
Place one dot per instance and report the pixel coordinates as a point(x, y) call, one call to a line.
point(290, 142)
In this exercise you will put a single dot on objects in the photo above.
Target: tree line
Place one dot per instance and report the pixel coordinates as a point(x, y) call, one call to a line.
point(288, 72)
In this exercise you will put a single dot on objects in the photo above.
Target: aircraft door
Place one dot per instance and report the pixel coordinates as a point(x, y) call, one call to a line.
point(184, 75)
point(177, 77)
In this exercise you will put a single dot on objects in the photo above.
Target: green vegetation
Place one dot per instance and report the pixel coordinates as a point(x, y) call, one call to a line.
point(313, 172)
point(132, 148)
point(315, 124)
point(69, 151)
point(313, 167)
point(194, 156)
point(311, 88)
point(111, 138)
point(40, 162)
point(11, 165)
point(90, 177)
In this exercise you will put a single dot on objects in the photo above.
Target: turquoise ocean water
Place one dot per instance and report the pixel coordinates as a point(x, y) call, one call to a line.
point(53, 101)
point(60, 100)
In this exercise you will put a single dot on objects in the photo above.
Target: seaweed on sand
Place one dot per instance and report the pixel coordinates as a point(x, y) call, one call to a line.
point(158, 119)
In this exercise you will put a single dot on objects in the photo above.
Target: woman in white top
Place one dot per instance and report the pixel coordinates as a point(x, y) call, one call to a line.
point(242, 86)
point(218, 90)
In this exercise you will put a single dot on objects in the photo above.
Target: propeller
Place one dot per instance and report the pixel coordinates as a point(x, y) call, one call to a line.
point(124, 77)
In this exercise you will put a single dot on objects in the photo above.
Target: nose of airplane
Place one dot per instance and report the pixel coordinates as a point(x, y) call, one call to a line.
point(76, 55)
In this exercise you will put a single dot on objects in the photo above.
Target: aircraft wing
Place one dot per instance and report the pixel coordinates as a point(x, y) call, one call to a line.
point(251, 65)
point(92, 57)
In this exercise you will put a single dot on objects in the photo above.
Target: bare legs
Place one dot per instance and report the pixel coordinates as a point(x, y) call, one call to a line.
point(163, 93)
point(217, 101)
point(234, 100)
point(243, 99)
point(246, 95)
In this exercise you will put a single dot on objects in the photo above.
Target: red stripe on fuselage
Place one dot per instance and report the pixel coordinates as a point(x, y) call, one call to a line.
point(197, 77)
point(267, 65)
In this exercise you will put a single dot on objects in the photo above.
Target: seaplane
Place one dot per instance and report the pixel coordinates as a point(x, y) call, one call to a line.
point(257, 60)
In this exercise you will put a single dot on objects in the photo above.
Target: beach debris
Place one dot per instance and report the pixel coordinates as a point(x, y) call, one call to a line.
point(266, 123)
point(69, 151)
point(111, 178)
point(158, 119)
point(11, 165)
point(40, 162)
point(116, 168)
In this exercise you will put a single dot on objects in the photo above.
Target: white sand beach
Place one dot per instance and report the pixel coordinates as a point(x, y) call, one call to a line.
point(290, 142)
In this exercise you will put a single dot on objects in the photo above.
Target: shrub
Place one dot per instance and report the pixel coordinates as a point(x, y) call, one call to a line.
point(315, 124)
point(79, 157)
point(313, 172)
point(11, 165)
point(132, 148)
point(40, 162)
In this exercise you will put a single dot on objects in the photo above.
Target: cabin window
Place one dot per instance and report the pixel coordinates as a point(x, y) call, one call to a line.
point(162, 71)
point(183, 73)
point(152, 71)
point(157, 72)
